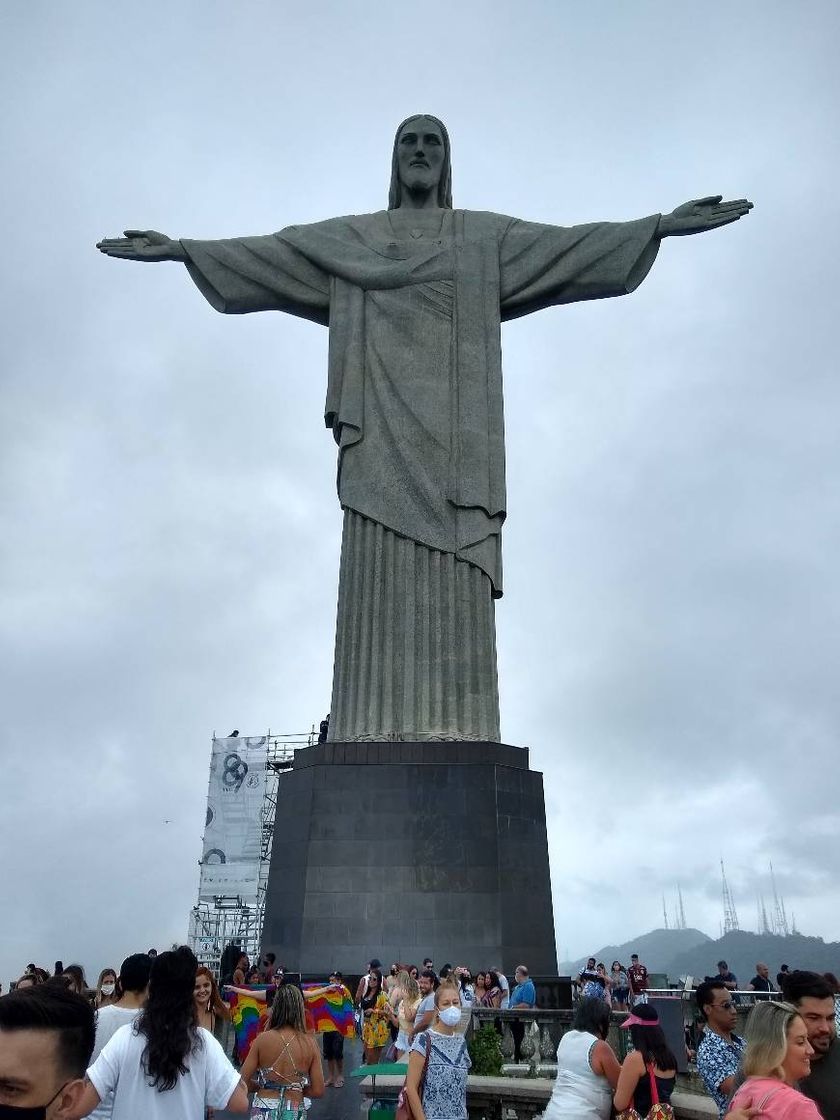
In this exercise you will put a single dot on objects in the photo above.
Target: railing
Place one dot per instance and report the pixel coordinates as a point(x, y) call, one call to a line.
point(544, 1027)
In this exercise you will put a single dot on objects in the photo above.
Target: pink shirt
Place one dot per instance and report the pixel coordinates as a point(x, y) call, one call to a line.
point(783, 1103)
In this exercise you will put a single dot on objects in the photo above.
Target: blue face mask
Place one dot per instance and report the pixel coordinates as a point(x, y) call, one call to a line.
point(29, 1112)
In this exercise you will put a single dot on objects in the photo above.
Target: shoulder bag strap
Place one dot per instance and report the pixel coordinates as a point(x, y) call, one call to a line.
point(654, 1088)
point(425, 1063)
point(764, 1100)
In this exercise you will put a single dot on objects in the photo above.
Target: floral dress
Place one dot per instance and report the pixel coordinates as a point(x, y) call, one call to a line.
point(445, 1087)
point(375, 1031)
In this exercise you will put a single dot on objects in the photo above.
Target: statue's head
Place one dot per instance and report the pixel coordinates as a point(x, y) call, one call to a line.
point(421, 160)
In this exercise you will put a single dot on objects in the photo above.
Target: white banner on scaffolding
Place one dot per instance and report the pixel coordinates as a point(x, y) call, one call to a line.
point(230, 860)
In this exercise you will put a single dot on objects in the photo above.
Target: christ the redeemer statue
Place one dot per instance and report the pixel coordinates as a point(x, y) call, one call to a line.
point(414, 297)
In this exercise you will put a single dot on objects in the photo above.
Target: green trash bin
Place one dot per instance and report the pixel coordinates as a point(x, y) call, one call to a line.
point(382, 1109)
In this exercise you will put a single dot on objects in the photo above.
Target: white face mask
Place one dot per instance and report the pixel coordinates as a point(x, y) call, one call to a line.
point(450, 1016)
point(108, 989)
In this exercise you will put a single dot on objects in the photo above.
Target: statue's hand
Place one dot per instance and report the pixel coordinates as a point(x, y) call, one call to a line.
point(142, 245)
point(702, 214)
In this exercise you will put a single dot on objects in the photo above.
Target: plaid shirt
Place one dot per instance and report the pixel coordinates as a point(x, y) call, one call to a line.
point(718, 1059)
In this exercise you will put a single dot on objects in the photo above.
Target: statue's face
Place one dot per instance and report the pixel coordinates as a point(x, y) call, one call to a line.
point(420, 155)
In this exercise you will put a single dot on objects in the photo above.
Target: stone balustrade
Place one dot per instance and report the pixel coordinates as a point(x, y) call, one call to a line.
point(524, 1089)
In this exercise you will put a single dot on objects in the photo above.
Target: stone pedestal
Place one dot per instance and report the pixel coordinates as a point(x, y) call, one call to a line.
point(406, 850)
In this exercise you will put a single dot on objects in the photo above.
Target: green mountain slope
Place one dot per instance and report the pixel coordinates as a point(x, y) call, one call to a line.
point(742, 951)
point(656, 950)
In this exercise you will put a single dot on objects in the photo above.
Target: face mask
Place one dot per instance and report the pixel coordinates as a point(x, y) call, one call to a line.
point(31, 1112)
point(450, 1016)
point(108, 989)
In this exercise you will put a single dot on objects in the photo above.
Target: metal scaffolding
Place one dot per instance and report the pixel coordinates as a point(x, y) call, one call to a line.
point(230, 918)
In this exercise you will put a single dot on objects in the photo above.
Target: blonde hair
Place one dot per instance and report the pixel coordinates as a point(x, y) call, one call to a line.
point(443, 988)
point(767, 1038)
point(98, 997)
point(288, 1009)
point(409, 985)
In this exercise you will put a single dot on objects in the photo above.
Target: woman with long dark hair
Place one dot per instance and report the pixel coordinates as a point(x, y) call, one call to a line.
point(648, 1073)
point(375, 1012)
point(164, 1066)
point(493, 995)
point(284, 1062)
point(74, 977)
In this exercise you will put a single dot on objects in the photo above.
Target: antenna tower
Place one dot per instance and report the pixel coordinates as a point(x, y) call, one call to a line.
point(780, 922)
point(665, 913)
point(730, 914)
point(763, 924)
point(680, 909)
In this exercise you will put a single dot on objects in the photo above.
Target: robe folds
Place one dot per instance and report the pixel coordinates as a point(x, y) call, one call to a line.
point(414, 400)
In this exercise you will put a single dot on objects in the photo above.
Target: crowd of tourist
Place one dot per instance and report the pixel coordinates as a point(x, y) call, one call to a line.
point(792, 1039)
point(142, 1040)
point(619, 988)
point(142, 1045)
point(785, 1067)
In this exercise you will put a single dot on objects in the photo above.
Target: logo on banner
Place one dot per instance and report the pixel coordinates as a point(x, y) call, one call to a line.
point(234, 771)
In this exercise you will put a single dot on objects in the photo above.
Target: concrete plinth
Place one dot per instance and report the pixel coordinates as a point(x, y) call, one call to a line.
point(406, 850)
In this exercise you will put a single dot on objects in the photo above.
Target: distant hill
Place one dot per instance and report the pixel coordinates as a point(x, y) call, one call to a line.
point(656, 950)
point(742, 951)
point(688, 952)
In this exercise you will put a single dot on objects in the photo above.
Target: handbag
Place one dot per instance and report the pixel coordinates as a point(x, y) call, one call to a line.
point(657, 1111)
point(403, 1105)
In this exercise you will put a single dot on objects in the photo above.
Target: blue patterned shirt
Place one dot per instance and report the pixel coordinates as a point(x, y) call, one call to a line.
point(718, 1059)
point(445, 1087)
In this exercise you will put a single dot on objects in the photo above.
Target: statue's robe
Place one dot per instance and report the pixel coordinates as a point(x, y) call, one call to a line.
point(414, 400)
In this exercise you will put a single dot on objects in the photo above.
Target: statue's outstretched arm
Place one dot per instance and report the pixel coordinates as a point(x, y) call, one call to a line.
point(142, 245)
point(702, 214)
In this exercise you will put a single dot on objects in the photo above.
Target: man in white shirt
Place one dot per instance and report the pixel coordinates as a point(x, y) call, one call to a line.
point(505, 986)
point(134, 986)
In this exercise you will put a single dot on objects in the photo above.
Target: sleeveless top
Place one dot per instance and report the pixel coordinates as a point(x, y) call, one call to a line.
point(578, 1091)
point(270, 1080)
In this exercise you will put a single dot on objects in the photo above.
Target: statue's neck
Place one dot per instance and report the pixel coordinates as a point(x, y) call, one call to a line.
point(418, 200)
point(405, 218)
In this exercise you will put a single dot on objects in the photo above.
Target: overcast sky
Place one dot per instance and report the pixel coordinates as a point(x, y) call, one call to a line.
point(669, 640)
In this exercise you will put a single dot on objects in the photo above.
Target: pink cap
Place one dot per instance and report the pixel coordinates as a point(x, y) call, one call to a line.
point(634, 1021)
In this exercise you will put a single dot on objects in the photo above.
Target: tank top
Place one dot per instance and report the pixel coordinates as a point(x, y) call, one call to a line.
point(642, 1095)
point(578, 1091)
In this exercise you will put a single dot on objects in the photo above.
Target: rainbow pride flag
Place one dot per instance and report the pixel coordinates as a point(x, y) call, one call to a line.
point(249, 1016)
point(329, 1007)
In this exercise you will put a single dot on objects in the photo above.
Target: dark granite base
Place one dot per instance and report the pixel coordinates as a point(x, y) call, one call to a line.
point(407, 850)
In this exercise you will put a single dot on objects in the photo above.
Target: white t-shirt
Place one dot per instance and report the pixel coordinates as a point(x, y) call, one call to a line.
point(503, 984)
point(108, 1021)
point(210, 1080)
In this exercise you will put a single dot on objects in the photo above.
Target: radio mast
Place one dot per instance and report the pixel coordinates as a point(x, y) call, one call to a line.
point(730, 914)
point(780, 922)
